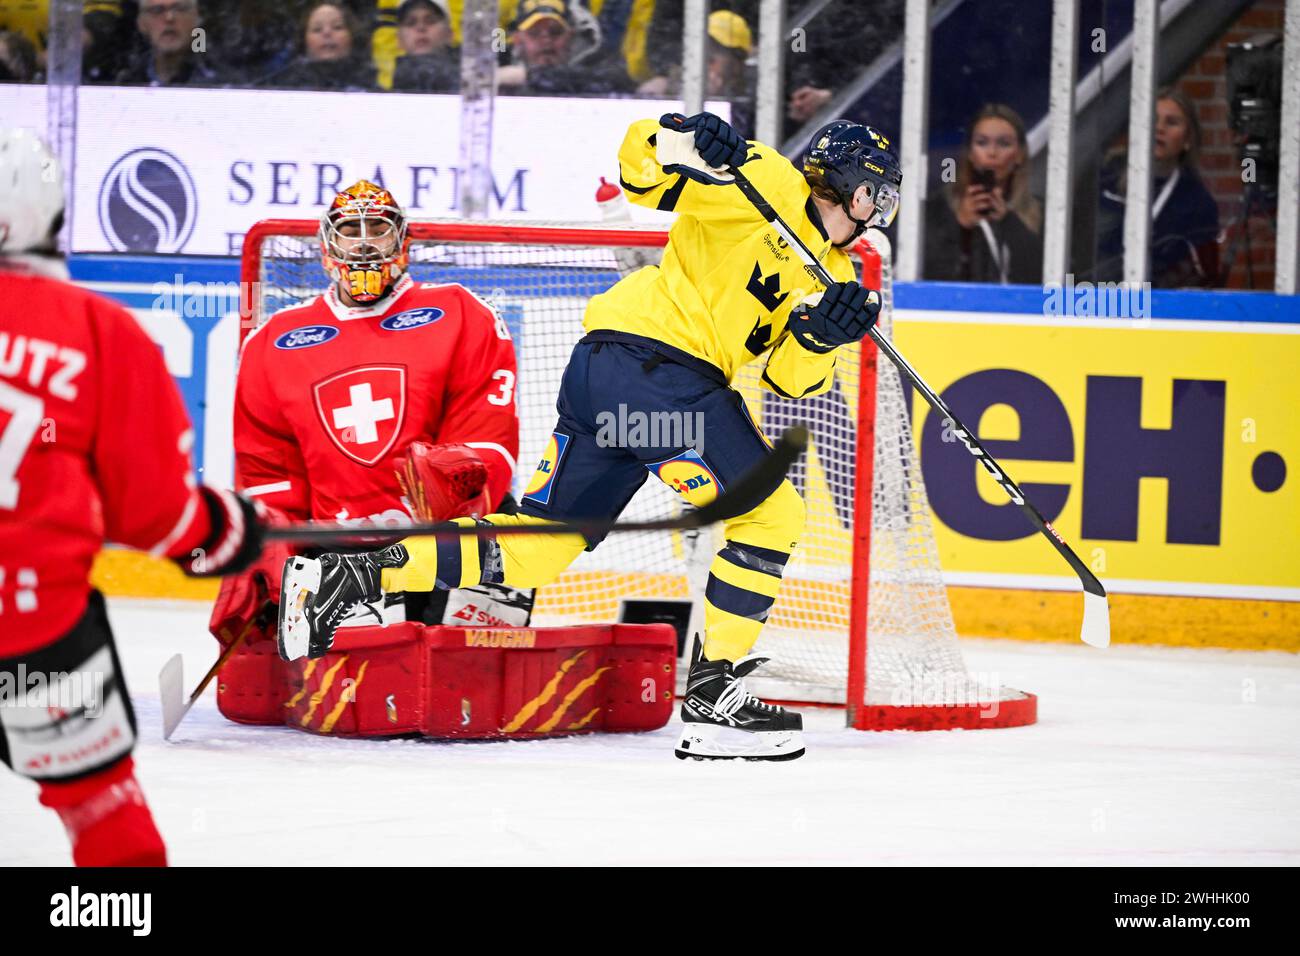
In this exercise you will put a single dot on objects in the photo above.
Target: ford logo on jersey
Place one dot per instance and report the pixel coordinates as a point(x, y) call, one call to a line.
point(306, 337)
point(412, 319)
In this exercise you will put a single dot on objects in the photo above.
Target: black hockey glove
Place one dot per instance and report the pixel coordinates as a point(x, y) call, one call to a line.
point(717, 144)
point(844, 314)
point(235, 538)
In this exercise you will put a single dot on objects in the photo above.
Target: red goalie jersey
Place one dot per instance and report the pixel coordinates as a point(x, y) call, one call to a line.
point(329, 396)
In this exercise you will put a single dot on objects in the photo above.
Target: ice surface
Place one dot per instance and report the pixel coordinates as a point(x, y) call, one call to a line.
point(1140, 756)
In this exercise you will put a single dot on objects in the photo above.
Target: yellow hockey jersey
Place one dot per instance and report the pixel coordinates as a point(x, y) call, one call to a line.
point(727, 283)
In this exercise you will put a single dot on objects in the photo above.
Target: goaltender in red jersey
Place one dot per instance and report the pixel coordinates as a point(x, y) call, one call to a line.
point(378, 402)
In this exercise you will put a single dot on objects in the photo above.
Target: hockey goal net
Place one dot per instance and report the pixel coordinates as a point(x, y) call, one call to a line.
point(863, 616)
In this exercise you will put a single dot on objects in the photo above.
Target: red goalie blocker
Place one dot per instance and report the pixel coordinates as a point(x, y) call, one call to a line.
point(468, 682)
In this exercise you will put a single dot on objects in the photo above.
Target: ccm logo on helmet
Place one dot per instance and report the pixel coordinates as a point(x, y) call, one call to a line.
point(411, 320)
point(306, 337)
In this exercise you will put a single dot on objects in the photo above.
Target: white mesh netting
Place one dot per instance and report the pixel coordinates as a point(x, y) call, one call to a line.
point(541, 289)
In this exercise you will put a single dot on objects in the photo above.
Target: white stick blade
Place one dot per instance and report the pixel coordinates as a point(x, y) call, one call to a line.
point(171, 687)
point(1096, 620)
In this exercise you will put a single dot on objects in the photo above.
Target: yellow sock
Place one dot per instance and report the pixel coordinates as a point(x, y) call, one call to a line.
point(743, 582)
point(524, 561)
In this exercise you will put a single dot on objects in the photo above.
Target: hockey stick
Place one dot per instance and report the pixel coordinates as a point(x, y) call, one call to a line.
point(749, 490)
point(172, 678)
point(1096, 609)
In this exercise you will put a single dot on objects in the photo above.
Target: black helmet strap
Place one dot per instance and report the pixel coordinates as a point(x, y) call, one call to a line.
point(847, 206)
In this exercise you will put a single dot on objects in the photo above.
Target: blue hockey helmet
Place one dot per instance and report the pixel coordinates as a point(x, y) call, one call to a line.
point(845, 157)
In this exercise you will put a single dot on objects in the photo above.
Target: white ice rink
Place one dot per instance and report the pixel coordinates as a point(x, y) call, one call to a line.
point(1140, 756)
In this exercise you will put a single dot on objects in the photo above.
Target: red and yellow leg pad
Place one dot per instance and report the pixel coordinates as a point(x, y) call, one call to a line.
point(445, 682)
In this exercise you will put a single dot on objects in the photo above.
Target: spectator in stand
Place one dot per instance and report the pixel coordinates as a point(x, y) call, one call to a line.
point(29, 19)
point(730, 44)
point(332, 55)
point(107, 38)
point(17, 58)
point(987, 226)
point(625, 28)
point(255, 38)
point(174, 56)
point(428, 63)
point(839, 41)
point(1185, 217)
point(555, 50)
point(664, 44)
point(105, 35)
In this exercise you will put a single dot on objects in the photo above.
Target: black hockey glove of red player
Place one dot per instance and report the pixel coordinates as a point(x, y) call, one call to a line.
point(246, 599)
point(717, 144)
point(845, 313)
point(234, 539)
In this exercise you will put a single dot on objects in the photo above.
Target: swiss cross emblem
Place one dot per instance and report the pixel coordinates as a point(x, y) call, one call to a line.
point(362, 410)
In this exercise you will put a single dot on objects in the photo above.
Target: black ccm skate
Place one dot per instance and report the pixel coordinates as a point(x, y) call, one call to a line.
point(317, 593)
point(724, 722)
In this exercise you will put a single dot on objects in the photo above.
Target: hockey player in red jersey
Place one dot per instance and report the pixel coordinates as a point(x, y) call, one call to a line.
point(335, 397)
point(94, 446)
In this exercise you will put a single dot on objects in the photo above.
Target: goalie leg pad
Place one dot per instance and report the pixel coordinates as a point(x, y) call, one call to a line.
point(491, 682)
point(64, 709)
point(253, 684)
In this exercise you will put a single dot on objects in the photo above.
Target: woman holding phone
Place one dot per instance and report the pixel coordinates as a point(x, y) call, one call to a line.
point(986, 226)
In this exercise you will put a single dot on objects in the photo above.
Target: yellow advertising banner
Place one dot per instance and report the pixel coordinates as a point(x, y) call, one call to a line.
point(1163, 451)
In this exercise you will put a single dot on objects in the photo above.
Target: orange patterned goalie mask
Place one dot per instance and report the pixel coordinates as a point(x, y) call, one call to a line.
point(363, 241)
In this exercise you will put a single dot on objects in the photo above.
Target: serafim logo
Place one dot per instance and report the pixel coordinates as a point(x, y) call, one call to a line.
point(306, 336)
point(148, 203)
point(411, 319)
point(689, 476)
point(539, 487)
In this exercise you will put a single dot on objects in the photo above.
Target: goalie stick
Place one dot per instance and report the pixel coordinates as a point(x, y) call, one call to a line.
point(749, 490)
point(1096, 608)
point(171, 681)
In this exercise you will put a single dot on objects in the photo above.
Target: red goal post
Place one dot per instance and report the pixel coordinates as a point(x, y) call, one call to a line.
point(863, 618)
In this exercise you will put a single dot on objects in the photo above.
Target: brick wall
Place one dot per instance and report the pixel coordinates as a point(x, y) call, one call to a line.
point(1205, 86)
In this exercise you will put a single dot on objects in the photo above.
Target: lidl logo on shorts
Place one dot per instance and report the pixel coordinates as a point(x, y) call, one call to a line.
point(539, 487)
point(689, 476)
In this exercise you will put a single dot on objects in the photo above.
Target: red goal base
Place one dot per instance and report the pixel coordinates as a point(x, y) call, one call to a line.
point(1017, 712)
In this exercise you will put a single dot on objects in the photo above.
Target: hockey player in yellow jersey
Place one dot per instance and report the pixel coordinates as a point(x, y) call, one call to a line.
point(725, 288)
point(670, 338)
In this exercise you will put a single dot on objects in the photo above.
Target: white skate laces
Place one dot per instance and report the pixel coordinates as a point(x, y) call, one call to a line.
point(735, 696)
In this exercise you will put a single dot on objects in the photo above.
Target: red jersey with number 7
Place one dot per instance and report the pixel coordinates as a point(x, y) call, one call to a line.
point(330, 395)
point(94, 446)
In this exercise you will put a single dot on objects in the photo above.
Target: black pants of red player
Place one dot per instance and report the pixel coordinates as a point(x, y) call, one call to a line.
point(66, 723)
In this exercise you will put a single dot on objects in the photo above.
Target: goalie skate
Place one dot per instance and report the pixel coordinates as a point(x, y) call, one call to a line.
point(299, 583)
point(317, 594)
point(724, 722)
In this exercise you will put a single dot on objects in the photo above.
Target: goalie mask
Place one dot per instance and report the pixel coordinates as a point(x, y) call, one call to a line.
point(853, 165)
point(363, 241)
